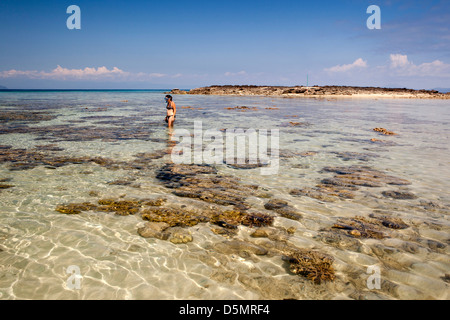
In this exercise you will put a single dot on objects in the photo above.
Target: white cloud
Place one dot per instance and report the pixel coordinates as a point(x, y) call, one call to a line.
point(399, 61)
point(64, 73)
point(232, 74)
point(60, 72)
point(100, 73)
point(358, 63)
point(401, 65)
point(156, 75)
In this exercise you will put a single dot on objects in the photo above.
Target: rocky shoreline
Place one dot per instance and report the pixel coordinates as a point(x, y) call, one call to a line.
point(316, 91)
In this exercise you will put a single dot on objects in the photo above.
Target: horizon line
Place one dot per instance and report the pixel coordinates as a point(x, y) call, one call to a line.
point(81, 89)
point(214, 85)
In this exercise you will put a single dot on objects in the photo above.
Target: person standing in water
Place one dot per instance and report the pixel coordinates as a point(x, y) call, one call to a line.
point(171, 110)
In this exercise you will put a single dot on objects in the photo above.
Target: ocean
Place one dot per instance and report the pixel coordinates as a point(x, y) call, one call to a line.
point(367, 212)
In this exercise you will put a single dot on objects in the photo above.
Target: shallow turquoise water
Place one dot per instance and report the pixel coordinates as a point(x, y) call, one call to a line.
point(38, 244)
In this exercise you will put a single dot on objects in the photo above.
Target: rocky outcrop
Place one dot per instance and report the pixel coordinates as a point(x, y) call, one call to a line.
point(315, 91)
point(385, 131)
point(177, 91)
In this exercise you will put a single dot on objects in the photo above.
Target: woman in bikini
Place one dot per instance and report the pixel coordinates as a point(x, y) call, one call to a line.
point(171, 110)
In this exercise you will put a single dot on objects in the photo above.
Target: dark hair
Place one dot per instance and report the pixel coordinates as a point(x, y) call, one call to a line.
point(170, 97)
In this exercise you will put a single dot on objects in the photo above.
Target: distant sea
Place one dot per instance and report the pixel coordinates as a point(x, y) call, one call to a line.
point(443, 90)
point(84, 90)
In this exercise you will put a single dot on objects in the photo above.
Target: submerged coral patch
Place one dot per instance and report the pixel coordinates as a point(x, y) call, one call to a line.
point(202, 182)
point(75, 208)
point(314, 265)
point(28, 116)
point(283, 209)
point(120, 207)
point(359, 227)
point(231, 219)
point(242, 108)
point(348, 156)
point(257, 220)
point(245, 163)
point(173, 217)
point(324, 192)
point(372, 227)
point(50, 156)
point(346, 181)
point(121, 128)
point(23, 159)
point(401, 195)
point(388, 222)
point(364, 176)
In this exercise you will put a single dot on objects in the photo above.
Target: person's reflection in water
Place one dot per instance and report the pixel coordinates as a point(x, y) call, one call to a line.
point(170, 143)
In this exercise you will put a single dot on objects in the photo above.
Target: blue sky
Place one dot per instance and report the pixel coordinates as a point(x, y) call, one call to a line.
point(186, 44)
